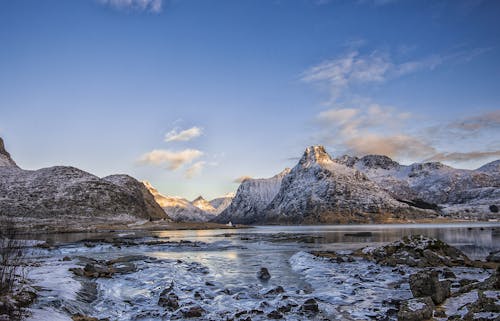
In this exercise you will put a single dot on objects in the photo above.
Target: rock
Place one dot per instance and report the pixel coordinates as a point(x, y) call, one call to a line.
point(81, 317)
point(417, 251)
point(448, 274)
point(494, 257)
point(66, 258)
point(426, 283)
point(274, 315)
point(418, 309)
point(193, 312)
point(170, 301)
point(263, 274)
point(310, 305)
point(128, 259)
point(276, 290)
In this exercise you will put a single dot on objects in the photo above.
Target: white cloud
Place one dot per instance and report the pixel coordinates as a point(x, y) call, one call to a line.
point(184, 135)
point(154, 6)
point(172, 159)
point(195, 169)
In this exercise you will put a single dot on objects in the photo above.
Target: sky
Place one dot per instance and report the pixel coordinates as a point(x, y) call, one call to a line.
point(192, 95)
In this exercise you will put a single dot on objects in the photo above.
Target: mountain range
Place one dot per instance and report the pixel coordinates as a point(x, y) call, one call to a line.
point(319, 189)
point(373, 188)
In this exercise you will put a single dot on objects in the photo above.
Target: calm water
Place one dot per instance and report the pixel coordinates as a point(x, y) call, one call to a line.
point(229, 261)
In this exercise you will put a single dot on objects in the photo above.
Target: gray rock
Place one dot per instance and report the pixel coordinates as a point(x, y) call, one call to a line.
point(427, 284)
point(264, 274)
point(494, 257)
point(310, 305)
point(418, 309)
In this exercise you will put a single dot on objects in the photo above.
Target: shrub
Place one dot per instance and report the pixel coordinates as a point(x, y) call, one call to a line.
point(11, 256)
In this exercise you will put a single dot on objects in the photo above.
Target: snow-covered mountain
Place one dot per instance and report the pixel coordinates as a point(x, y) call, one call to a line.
point(320, 190)
point(221, 203)
point(61, 191)
point(252, 198)
point(204, 205)
point(433, 184)
point(178, 208)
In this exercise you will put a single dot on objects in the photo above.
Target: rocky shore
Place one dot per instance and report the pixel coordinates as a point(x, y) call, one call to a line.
point(414, 279)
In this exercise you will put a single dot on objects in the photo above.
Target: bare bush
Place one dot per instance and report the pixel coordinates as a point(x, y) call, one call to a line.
point(11, 256)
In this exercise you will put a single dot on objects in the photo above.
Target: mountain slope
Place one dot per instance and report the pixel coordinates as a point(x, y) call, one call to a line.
point(5, 159)
point(320, 190)
point(252, 197)
point(221, 203)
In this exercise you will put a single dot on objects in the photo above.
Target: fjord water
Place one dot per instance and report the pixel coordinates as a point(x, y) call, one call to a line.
point(221, 265)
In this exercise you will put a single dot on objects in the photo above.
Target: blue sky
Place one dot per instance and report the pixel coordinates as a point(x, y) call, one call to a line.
point(191, 95)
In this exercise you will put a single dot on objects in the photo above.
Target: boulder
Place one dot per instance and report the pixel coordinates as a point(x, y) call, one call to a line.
point(418, 309)
point(310, 305)
point(427, 284)
point(264, 274)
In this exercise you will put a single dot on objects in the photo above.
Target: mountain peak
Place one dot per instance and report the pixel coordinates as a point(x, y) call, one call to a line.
point(5, 159)
point(315, 155)
point(199, 199)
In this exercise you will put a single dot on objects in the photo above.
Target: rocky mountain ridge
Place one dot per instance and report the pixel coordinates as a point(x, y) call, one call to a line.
point(182, 210)
point(60, 192)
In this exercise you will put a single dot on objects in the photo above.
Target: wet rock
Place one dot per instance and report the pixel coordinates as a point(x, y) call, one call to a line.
point(128, 259)
point(277, 290)
point(193, 312)
point(123, 268)
point(170, 301)
point(274, 315)
point(418, 309)
point(81, 317)
point(417, 251)
point(426, 283)
point(263, 274)
point(25, 298)
point(448, 274)
point(66, 258)
point(494, 257)
point(310, 305)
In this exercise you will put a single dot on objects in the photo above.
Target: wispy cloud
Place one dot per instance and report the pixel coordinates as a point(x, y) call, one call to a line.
point(195, 169)
point(183, 135)
point(483, 121)
point(464, 157)
point(171, 159)
point(154, 6)
point(241, 179)
point(397, 145)
point(340, 74)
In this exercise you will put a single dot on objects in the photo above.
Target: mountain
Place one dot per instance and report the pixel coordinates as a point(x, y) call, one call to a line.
point(178, 208)
point(320, 190)
point(433, 184)
point(222, 202)
point(5, 159)
point(204, 205)
point(61, 192)
point(251, 199)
